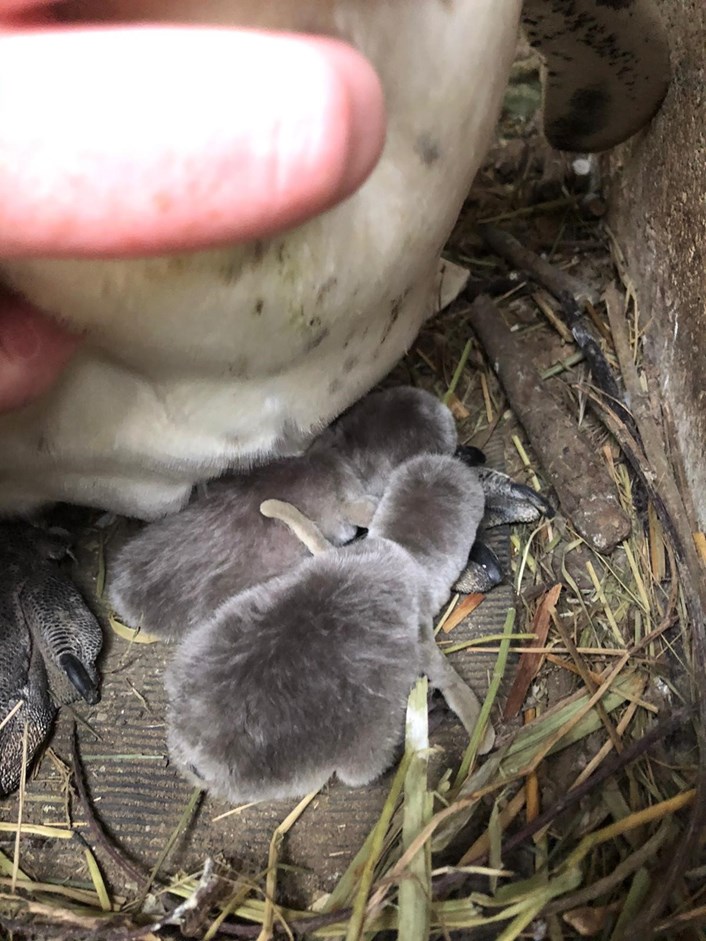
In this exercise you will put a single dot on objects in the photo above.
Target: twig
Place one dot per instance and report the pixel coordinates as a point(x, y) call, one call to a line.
point(183, 823)
point(458, 372)
point(571, 295)
point(588, 682)
point(278, 836)
point(619, 873)
point(115, 854)
point(609, 768)
point(582, 482)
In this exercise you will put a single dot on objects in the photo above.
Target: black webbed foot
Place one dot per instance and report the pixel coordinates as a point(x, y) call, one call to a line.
point(49, 642)
point(24, 701)
point(65, 631)
point(482, 572)
point(471, 456)
point(506, 501)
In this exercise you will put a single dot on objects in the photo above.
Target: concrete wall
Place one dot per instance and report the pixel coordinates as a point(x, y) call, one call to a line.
point(658, 213)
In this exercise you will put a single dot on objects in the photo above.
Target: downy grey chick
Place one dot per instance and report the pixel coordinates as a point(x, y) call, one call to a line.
point(174, 573)
point(308, 675)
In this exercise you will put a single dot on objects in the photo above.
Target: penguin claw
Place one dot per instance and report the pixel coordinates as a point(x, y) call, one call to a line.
point(79, 678)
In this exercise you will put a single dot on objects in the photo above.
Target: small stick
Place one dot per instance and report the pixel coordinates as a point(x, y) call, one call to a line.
point(588, 681)
point(268, 918)
point(555, 280)
point(585, 489)
point(101, 839)
point(531, 661)
point(644, 854)
point(572, 294)
point(20, 810)
point(611, 766)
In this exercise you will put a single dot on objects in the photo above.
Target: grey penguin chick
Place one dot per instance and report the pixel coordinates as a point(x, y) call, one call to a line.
point(49, 642)
point(308, 674)
point(173, 574)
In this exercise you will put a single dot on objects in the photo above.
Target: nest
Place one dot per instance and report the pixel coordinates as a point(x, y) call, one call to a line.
point(585, 821)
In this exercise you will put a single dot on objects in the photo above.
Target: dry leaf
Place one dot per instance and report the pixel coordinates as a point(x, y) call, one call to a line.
point(589, 920)
point(530, 662)
point(462, 610)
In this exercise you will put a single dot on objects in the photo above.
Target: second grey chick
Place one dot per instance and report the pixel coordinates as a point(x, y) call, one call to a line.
point(308, 675)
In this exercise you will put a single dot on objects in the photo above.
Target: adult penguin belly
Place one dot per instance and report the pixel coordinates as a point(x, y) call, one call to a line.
point(197, 362)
